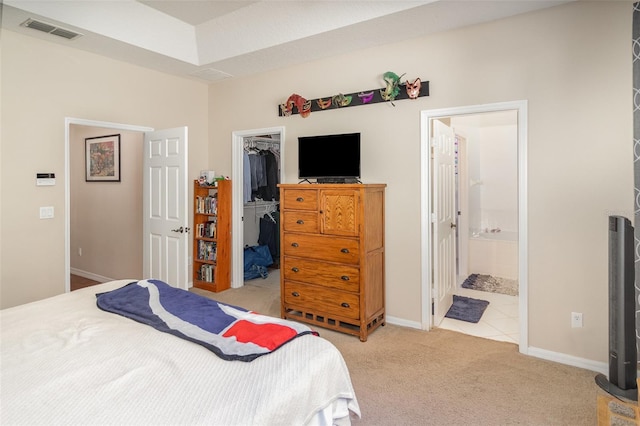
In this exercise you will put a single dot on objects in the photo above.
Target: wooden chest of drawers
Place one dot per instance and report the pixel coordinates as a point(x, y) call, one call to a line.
point(332, 256)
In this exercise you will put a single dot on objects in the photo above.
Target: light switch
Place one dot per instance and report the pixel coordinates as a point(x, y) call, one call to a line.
point(46, 212)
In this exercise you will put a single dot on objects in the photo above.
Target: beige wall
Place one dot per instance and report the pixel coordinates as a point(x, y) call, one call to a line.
point(106, 217)
point(42, 83)
point(573, 65)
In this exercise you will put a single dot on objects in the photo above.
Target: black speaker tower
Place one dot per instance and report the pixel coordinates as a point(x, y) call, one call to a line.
point(623, 363)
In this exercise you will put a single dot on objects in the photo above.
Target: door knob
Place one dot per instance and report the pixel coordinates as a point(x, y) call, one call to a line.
point(180, 230)
point(453, 225)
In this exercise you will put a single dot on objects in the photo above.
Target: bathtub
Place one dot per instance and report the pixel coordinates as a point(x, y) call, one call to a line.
point(493, 253)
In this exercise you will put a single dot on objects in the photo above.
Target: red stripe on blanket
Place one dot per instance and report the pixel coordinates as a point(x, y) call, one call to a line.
point(268, 336)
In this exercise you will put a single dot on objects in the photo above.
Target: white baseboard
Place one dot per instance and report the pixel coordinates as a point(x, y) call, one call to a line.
point(403, 322)
point(574, 361)
point(89, 275)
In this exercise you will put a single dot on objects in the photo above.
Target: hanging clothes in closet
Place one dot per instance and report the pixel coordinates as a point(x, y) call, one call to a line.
point(270, 234)
point(261, 172)
point(261, 196)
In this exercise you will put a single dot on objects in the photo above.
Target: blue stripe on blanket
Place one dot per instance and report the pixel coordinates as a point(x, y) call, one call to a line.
point(231, 332)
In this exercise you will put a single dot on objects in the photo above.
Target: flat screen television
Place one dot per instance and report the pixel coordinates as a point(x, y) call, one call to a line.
point(329, 158)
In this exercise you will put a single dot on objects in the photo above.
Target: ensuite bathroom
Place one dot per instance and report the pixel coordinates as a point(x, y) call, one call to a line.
point(487, 228)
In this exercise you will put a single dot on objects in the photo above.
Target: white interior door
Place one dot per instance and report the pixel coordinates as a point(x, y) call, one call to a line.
point(165, 225)
point(444, 219)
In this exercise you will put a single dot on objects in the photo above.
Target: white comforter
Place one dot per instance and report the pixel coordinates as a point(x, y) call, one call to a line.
point(64, 361)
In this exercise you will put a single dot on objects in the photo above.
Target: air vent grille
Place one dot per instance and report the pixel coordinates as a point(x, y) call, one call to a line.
point(211, 74)
point(50, 29)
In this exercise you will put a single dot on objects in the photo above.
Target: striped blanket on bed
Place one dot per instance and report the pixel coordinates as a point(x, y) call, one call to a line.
point(231, 332)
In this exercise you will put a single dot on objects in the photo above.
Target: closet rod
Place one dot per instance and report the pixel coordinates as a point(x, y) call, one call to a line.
point(261, 143)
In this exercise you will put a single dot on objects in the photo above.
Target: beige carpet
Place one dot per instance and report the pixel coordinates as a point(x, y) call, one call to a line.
point(404, 376)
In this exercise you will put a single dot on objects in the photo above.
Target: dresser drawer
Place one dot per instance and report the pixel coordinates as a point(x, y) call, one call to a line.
point(300, 199)
point(320, 247)
point(322, 300)
point(300, 221)
point(341, 277)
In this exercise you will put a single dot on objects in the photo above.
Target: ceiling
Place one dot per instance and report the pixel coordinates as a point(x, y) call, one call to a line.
point(211, 40)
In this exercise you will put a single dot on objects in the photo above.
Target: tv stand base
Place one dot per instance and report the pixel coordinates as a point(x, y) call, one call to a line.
point(337, 180)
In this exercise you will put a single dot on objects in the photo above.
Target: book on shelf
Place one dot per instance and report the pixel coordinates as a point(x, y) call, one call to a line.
point(207, 229)
point(207, 250)
point(207, 205)
point(210, 228)
point(206, 273)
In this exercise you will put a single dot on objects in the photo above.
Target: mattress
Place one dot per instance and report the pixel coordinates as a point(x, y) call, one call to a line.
point(64, 361)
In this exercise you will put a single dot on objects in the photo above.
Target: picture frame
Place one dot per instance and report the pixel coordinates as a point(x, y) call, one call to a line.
point(102, 158)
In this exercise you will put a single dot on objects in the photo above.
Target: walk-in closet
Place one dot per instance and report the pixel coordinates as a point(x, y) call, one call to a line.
point(261, 216)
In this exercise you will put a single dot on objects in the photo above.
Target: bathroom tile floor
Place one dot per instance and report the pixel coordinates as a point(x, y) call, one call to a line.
point(500, 321)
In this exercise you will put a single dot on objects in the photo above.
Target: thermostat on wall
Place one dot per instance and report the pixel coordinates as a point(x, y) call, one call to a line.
point(45, 179)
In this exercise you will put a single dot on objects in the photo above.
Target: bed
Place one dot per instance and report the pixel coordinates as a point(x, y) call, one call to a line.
point(65, 361)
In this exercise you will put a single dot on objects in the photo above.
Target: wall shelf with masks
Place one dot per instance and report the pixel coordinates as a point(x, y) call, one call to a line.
point(297, 104)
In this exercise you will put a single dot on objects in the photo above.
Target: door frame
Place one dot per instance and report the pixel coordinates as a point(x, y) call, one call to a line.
point(425, 206)
point(237, 208)
point(69, 121)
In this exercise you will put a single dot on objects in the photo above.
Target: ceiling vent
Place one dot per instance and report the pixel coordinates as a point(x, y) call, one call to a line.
point(211, 74)
point(50, 29)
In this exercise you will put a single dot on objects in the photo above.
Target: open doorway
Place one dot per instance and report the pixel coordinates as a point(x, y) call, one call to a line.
point(486, 233)
point(70, 124)
point(480, 212)
point(246, 216)
point(105, 216)
point(164, 183)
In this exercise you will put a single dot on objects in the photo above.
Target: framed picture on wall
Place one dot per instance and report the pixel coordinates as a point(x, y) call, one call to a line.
point(102, 158)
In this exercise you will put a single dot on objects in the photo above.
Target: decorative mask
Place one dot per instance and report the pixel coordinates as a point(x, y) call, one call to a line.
point(413, 89)
point(392, 90)
point(341, 100)
point(301, 104)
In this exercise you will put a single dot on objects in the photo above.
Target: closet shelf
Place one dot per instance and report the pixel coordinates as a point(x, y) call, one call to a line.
point(261, 203)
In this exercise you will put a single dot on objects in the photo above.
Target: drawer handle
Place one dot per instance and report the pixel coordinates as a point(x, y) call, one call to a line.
point(344, 278)
point(345, 305)
point(294, 244)
point(295, 294)
point(345, 250)
point(300, 222)
point(299, 199)
point(294, 269)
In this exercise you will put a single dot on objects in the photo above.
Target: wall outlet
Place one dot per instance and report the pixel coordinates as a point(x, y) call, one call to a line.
point(576, 319)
